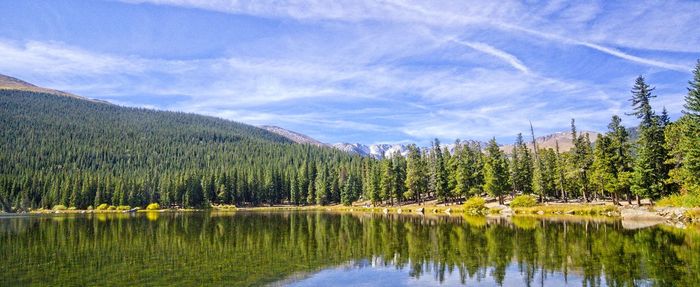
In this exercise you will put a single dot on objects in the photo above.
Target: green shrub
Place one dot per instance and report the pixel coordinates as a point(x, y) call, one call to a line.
point(89, 207)
point(523, 201)
point(475, 205)
point(685, 200)
point(103, 206)
point(111, 207)
point(153, 206)
point(59, 207)
point(123, 207)
point(72, 208)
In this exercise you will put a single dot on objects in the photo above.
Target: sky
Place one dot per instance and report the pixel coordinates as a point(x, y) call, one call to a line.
point(362, 71)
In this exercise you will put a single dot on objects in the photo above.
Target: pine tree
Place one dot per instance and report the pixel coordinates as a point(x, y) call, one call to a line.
point(521, 167)
point(649, 169)
point(98, 197)
point(692, 99)
point(453, 165)
point(495, 171)
point(350, 190)
point(620, 158)
point(399, 177)
point(545, 177)
point(438, 173)
point(582, 160)
point(560, 173)
point(603, 172)
point(416, 176)
point(322, 187)
point(311, 193)
point(682, 141)
point(386, 180)
point(294, 191)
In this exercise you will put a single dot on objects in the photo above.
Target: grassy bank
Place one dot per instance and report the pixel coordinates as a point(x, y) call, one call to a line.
point(469, 208)
point(576, 209)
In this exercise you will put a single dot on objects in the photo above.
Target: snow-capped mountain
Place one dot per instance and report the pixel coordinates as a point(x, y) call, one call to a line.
point(378, 151)
point(353, 148)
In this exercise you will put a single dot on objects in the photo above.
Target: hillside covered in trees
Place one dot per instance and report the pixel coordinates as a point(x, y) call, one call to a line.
point(58, 150)
point(79, 153)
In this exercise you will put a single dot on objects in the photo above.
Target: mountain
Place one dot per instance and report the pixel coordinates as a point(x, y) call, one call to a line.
point(549, 141)
point(378, 151)
point(294, 136)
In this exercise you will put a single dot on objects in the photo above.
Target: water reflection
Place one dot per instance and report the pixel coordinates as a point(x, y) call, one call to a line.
point(312, 249)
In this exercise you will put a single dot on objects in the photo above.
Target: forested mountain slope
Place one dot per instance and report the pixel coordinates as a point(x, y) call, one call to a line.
point(76, 152)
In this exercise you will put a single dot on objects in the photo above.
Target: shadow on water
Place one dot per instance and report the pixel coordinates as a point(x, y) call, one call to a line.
point(315, 249)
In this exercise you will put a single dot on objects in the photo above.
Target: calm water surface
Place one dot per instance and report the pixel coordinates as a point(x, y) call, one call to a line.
point(323, 249)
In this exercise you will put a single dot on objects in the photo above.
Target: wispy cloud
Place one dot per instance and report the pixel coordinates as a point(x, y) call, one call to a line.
point(569, 22)
point(505, 56)
point(383, 71)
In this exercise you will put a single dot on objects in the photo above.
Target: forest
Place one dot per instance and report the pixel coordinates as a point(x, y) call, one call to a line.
point(61, 151)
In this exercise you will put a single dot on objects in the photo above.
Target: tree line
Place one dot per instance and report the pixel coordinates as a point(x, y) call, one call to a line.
point(663, 159)
point(71, 152)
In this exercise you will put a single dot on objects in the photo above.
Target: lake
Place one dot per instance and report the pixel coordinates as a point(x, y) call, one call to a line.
point(339, 249)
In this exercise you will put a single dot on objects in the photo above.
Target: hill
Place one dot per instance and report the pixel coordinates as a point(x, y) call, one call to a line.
point(57, 148)
point(14, 84)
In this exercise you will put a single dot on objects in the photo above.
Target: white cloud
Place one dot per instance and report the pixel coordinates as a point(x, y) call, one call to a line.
point(503, 55)
point(646, 26)
point(393, 63)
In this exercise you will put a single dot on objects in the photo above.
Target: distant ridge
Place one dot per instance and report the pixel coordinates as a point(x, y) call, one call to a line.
point(293, 136)
point(11, 83)
point(550, 141)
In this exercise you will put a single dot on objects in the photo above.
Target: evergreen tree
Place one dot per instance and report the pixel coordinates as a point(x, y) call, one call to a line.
point(386, 180)
point(649, 168)
point(438, 174)
point(294, 194)
point(620, 158)
point(521, 167)
point(350, 190)
point(322, 187)
point(603, 173)
point(399, 176)
point(560, 172)
point(545, 176)
point(682, 141)
point(311, 197)
point(692, 99)
point(416, 175)
point(581, 161)
point(495, 171)
point(453, 167)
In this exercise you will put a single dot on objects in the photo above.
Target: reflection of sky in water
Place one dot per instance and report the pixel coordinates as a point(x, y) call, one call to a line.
point(381, 275)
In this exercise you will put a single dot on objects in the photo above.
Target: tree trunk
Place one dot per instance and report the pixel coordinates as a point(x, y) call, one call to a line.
point(629, 198)
point(639, 200)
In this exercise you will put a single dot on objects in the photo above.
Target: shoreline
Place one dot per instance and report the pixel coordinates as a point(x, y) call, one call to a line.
point(675, 216)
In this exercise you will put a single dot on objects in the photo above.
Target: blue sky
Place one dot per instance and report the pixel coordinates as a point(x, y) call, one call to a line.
point(362, 71)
